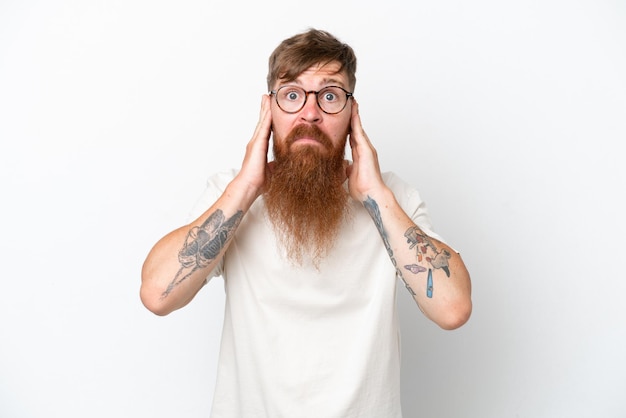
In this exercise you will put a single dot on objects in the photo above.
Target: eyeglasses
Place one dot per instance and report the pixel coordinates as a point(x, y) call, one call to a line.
point(331, 99)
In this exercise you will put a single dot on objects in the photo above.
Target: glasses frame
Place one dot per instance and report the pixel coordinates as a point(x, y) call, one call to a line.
point(317, 98)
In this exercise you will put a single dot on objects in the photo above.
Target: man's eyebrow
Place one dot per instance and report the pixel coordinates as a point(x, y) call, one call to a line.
point(333, 81)
point(325, 82)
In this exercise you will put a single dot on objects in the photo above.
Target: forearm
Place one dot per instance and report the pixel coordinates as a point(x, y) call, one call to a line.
point(177, 266)
point(432, 272)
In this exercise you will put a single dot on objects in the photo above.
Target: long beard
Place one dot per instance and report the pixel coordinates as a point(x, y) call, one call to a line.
point(305, 198)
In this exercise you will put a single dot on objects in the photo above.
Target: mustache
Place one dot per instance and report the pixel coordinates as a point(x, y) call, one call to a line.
point(308, 131)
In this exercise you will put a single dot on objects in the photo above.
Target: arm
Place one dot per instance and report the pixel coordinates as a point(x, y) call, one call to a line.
point(178, 264)
point(432, 272)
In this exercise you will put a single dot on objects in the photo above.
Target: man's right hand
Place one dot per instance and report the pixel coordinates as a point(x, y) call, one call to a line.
point(254, 167)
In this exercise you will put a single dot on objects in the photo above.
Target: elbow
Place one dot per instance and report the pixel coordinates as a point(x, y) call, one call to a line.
point(456, 316)
point(154, 302)
point(153, 295)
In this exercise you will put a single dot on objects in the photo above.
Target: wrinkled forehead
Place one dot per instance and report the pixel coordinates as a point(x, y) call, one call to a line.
point(320, 74)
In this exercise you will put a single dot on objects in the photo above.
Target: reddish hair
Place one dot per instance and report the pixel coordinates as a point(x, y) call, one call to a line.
point(300, 52)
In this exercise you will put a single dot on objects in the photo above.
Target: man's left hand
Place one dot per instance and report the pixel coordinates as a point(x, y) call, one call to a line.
point(364, 177)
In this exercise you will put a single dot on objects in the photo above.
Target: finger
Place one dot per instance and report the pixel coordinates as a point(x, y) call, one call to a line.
point(356, 126)
point(353, 147)
point(347, 167)
point(355, 119)
point(264, 124)
point(358, 137)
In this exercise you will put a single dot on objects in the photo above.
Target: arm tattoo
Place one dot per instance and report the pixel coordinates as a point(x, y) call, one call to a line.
point(372, 207)
point(426, 250)
point(203, 244)
point(429, 284)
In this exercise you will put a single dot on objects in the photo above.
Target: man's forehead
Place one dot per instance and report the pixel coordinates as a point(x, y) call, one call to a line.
point(322, 74)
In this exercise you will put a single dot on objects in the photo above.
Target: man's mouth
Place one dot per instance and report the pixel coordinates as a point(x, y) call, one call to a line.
point(307, 141)
point(308, 135)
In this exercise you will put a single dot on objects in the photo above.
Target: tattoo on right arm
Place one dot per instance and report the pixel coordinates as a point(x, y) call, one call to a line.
point(203, 245)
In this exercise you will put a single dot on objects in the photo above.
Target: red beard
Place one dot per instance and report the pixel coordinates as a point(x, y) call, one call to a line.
point(305, 197)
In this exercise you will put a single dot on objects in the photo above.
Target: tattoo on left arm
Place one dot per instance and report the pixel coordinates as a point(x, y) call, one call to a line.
point(372, 207)
point(426, 250)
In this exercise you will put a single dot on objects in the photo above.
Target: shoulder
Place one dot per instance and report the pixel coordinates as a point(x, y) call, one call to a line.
point(393, 181)
point(214, 187)
point(221, 179)
point(411, 202)
point(405, 193)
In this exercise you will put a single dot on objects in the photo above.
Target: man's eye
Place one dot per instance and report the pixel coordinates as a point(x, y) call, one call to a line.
point(330, 96)
point(292, 95)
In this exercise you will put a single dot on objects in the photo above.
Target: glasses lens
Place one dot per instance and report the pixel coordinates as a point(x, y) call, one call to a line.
point(332, 99)
point(290, 98)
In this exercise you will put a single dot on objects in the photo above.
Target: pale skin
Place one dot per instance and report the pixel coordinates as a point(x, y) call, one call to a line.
point(171, 279)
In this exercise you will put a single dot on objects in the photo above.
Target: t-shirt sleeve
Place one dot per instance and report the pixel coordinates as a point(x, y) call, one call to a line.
point(412, 203)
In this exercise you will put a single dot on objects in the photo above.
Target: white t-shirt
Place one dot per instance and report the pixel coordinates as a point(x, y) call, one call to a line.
point(301, 342)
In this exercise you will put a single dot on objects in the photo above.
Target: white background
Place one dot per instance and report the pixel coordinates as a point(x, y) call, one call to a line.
point(508, 116)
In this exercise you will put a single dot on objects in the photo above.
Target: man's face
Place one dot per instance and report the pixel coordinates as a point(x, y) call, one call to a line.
point(305, 199)
point(335, 126)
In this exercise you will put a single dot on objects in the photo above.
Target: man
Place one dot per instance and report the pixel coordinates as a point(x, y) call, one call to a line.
point(309, 246)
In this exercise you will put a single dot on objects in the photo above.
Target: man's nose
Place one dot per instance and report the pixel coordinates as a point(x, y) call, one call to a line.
point(311, 111)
